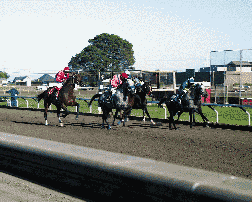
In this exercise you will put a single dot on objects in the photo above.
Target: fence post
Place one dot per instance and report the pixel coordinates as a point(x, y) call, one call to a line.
point(215, 96)
point(227, 96)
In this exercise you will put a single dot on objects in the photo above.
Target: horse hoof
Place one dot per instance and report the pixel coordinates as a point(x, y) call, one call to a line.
point(109, 128)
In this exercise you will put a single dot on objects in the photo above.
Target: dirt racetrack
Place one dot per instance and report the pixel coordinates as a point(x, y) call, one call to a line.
point(224, 151)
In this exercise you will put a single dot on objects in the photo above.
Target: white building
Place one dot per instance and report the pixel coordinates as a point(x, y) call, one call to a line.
point(24, 80)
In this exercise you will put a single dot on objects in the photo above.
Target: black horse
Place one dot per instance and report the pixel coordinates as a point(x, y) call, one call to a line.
point(107, 103)
point(66, 97)
point(141, 92)
point(191, 102)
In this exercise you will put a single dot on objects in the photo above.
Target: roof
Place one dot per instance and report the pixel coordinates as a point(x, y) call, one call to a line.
point(19, 78)
point(46, 78)
point(237, 63)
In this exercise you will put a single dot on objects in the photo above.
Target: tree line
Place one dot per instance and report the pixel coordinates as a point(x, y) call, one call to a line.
point(106, 52)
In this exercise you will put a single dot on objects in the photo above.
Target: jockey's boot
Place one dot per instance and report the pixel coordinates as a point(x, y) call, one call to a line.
point(124, 96)
point(138, 100)
point(57, 95)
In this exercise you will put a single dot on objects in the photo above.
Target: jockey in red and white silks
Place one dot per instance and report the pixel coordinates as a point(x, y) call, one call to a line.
point(61, 76)
point(116, 81)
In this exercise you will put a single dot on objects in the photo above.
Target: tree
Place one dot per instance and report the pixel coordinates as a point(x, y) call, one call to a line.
point(105, 53)
point(4, 75)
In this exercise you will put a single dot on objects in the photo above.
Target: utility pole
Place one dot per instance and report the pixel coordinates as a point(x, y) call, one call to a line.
point(240, 76)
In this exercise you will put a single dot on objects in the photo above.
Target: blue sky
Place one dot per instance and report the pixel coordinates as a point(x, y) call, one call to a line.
point(42, 36)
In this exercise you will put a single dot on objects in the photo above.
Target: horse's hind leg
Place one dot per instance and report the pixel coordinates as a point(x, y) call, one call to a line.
point(78, 108)
point(45, 113)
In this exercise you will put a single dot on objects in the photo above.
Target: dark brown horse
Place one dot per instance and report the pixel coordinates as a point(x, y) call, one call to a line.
point(66, 97)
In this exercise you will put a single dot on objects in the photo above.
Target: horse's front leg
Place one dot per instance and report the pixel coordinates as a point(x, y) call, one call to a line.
point(66, 111)
point(179, 114)
point(121, 118)
point(190, 113)
point(205, 119)
point(106, 120)
point(115, 115)
point(58, 115)
point(146, 110)
point(45, 114)
point(143, 115)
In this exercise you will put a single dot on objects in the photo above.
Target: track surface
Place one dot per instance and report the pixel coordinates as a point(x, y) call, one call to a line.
point(217, 150)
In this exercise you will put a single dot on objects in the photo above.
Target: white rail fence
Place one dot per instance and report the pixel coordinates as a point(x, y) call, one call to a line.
point(211, 106)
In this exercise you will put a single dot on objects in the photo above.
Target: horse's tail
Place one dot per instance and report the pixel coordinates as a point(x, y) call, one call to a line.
point(41, 95)
point(94, 97)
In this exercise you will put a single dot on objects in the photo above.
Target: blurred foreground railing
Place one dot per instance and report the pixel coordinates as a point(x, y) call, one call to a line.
point(91, 173)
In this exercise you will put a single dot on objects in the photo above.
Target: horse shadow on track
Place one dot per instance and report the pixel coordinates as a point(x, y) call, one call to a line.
point(85, 125)
point(144, 125)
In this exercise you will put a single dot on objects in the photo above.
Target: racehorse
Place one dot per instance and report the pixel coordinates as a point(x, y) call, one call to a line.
point(191, 102)
point(65, 98)
point(107, 102)
point(141, 91)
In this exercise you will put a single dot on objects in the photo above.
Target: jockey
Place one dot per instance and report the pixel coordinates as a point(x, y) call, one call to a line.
point(124, 85)
point(61, 77)
point(184, 88)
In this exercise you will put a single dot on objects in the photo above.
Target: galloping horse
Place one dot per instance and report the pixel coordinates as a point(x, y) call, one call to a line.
point(191, 102)
point(108, 102)
point(66, 98)
point(141, 91)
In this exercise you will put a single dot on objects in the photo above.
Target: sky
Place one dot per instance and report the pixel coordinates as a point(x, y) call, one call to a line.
point(174, 35)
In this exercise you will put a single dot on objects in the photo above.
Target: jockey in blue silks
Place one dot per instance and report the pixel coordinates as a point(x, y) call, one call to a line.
point(183, 89)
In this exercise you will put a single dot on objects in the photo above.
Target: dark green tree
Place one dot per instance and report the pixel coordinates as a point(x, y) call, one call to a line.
point(4, 75)
point(105, 53)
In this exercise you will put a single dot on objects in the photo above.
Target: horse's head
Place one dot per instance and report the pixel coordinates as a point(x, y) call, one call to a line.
point(74, 79)
point(200, 91)
point(146, 88)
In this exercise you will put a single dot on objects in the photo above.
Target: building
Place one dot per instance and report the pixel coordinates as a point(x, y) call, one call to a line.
point(46, 79)
point(23, 80)
point(3, 81)
point(207, 69)
point(236, 66)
